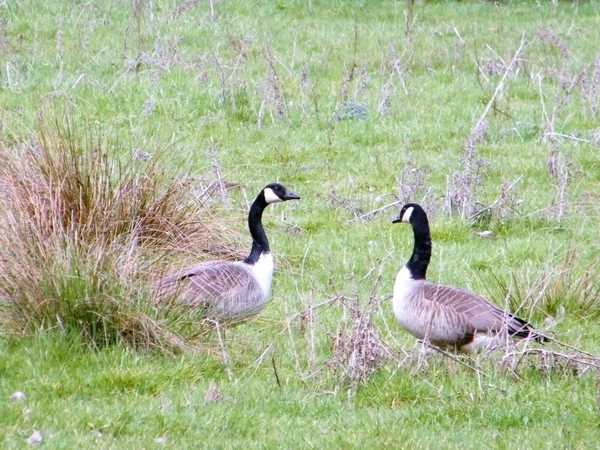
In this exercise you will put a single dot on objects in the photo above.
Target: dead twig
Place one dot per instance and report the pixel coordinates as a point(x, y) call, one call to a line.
point(500, 85)
point(492, 205)
point(549, 359)
point(375, 211)
point(454, 358)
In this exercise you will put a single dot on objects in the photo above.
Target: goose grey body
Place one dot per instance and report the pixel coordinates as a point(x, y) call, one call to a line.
point(231, 292)
point(226, 291)
point(446, 316)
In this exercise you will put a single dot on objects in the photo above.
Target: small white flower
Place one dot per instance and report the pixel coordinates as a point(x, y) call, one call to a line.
point(17, 397)
point(35, 439)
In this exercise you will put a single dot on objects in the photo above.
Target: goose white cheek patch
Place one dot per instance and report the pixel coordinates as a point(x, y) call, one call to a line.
point(407, 214)
point(270, 196)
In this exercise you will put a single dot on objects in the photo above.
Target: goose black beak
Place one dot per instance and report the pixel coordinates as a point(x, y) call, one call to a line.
point(291, 196)
point(398, 220)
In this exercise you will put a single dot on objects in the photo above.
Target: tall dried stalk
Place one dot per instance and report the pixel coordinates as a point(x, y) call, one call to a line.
point(462, 187)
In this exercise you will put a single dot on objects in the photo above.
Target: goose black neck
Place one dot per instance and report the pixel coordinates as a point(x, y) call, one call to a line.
point(260, 244)
point(419, 260)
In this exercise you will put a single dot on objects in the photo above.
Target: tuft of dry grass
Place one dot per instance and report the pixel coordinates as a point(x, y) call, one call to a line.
point(83, 234)
point(358, 351)
point(461, 188)
point(272, 91)
point(556, 291)
point(413, 185)
point(504, 207)
point(548, 362)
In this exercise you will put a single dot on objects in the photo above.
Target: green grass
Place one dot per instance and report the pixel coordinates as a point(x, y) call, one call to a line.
point(253, 90)
point(72, 395)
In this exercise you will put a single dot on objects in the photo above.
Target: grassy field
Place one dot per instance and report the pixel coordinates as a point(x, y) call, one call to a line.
point(486, 113)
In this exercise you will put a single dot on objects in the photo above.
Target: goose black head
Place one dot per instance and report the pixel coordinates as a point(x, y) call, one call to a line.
point(407, 212)
point(275, 192)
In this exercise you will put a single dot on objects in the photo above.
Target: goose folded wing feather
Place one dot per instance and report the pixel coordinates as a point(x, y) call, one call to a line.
point(445, 327)
point(483, 314)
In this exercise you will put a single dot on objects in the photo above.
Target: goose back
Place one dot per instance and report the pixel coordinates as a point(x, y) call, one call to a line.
point(481, 313)
point(450, 317)
point(226, 291)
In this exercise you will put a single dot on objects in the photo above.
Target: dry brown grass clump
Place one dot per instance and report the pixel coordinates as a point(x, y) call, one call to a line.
point(358, 351)
point(82, 234)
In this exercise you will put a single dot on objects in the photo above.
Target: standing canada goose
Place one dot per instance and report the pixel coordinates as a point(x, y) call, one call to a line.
point(232, 292)
point(446, 316)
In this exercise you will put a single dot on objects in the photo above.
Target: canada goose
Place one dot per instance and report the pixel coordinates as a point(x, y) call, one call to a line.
point(446, 316)
point(232, 292)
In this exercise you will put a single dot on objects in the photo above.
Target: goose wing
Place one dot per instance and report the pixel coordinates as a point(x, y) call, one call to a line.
point(222, 289)
point(480, 312)
point(437, 322)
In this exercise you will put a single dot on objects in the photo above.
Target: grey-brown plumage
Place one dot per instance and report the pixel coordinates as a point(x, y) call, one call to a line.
point(226, 291)
point(446, 316)
point(231, 292)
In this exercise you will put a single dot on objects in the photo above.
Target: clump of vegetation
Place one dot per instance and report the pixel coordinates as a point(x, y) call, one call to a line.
point(358, 351)
point(556, 291)
point(81, 235)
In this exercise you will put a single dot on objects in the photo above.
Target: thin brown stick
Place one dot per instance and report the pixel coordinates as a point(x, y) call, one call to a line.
point(448, 355)
point(500, 86)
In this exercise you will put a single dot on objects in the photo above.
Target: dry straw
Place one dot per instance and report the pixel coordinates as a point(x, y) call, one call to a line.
point(83, 234)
